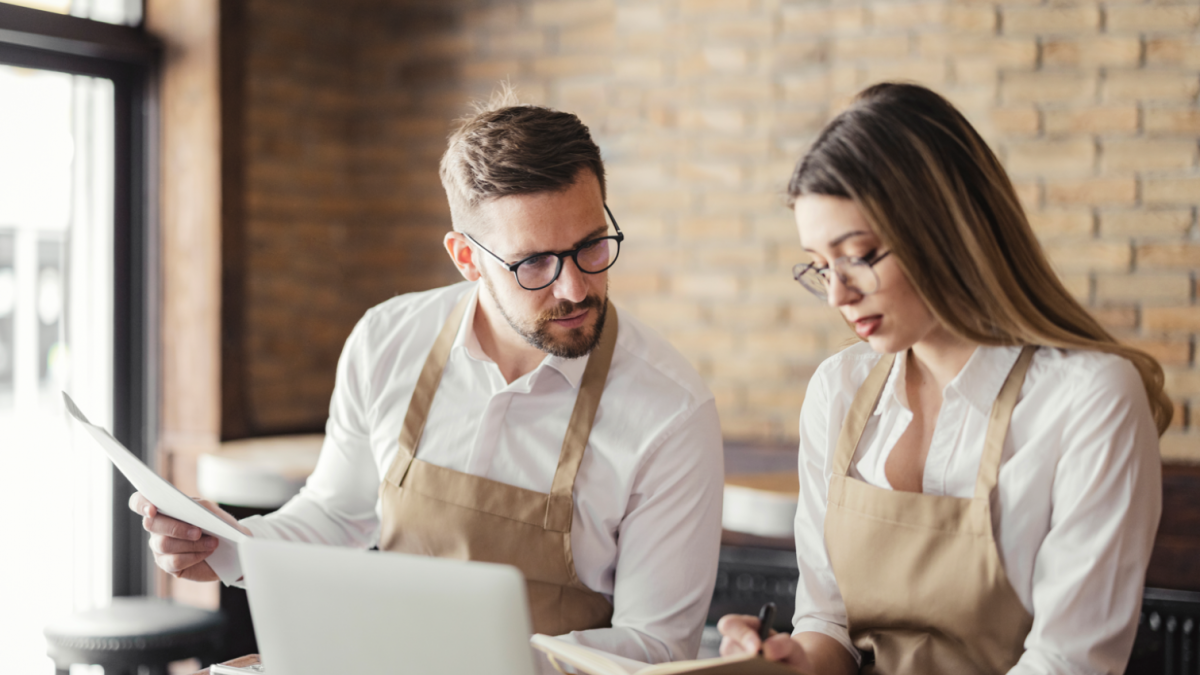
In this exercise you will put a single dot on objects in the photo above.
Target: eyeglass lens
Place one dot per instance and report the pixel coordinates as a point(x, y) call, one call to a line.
point(856, 274)
point(542, 270)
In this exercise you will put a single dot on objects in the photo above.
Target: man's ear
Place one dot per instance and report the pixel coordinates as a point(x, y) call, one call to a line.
point(462, 254)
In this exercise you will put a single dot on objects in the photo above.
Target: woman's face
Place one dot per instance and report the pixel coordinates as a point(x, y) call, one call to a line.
point(891, 319)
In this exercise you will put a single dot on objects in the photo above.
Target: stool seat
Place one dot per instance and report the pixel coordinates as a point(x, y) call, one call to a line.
point(259, 473)
point(133, 632)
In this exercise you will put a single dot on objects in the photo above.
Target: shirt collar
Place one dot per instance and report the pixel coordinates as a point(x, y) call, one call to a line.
point(571, 369)
point(468, 342)
point(979, 382)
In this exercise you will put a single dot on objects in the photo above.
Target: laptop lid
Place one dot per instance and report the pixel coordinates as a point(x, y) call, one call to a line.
point(320, 610)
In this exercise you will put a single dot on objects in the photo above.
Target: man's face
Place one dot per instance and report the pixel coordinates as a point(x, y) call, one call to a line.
point(566, 317)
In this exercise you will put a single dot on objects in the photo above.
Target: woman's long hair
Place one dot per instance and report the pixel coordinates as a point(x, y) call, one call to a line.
point(941, 201)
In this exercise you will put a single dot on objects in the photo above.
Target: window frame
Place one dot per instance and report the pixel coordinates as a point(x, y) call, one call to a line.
point(130, 58)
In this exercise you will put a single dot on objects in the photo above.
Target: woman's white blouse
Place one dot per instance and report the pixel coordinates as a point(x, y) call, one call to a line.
point(1075, 512)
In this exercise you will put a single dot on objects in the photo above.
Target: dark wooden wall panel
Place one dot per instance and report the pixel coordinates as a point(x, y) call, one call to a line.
point(1176, 560)
point(333, 119)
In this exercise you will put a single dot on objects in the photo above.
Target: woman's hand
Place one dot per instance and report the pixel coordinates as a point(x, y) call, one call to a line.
point(810, 653)
point(739, 635)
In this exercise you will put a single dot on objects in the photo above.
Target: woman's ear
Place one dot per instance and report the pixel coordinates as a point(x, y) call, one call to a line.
point(459, 248)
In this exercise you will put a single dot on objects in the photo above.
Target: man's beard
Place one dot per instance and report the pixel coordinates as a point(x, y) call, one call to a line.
point(578, 341)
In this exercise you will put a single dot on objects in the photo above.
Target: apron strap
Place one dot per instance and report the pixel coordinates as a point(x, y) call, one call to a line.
point(560, 505)
point(864, 404)
point(427, 386)
point(997, 431)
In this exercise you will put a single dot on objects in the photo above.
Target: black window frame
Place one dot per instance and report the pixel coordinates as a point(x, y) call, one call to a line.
point(130, 58)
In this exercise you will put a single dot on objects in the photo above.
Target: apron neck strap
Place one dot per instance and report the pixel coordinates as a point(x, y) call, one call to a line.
point(860, 411)
point(993, 445)
point(560, 506)
point(998, 422)
point(427, 386)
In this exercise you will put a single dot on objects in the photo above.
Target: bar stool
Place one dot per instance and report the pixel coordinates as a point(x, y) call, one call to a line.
point(133, 632)
point(249, 477)
point(258, 473)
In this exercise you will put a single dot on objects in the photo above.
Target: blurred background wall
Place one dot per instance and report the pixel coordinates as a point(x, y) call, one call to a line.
point(334, 116)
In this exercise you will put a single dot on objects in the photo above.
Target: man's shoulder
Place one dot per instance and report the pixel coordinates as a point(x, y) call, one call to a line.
point(419, 303)
point(645, 359)
point(655, 399)
point(418, 306)
point(411, 316)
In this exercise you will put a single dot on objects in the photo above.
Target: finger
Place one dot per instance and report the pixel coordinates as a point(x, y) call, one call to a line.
point(742, 629)
point(140, 504)
point(736, 622)
point(176, 564)
point(778, 647)
point(730, 647)
point(198, 572)
point(224, 515)
point(170, 545)
point(170, 527)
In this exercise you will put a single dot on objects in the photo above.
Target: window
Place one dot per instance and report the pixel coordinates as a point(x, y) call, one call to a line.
point(56, 325)
point(124, 12)
point(75, 310)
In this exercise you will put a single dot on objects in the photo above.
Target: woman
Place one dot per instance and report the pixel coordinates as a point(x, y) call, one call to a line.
point(980, 480)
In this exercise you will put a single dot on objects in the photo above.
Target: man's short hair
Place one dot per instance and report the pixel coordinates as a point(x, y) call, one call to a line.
point(506, 148)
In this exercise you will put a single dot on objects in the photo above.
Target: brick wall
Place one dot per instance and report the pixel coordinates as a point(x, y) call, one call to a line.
point(701, 108)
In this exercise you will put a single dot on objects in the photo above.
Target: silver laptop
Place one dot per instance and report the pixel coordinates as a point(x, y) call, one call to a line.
point(319, 610)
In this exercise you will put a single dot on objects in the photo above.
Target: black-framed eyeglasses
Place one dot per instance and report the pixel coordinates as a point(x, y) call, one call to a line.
point(542, 269)
point(857, 274)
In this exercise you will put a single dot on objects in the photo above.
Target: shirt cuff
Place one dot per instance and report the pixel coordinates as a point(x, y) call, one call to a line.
point(224, 561)
point(836, 631)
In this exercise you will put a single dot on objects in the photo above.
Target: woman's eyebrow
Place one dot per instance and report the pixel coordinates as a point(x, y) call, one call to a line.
point(841, 239)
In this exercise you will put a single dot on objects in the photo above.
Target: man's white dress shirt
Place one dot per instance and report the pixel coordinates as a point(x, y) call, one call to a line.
point(647, 521)
point(1075, 511)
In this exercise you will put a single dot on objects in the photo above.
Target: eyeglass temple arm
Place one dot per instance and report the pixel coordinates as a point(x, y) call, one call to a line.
point(511, 267)
point(620, 234)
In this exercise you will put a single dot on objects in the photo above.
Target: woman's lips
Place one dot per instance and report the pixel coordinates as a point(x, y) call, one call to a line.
point(867, 325)
point(572, 321)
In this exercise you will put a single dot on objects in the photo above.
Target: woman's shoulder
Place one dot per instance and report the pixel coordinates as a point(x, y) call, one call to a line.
point(1086, 393)
point(1085, 367)
point(849, 366)
point(835, 381)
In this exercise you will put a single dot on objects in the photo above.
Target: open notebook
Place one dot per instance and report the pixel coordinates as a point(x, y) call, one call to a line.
point(594, 662)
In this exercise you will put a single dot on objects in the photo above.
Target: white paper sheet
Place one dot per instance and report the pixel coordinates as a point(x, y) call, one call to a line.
point(166, 497)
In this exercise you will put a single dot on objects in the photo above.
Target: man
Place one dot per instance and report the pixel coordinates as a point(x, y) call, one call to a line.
point(537, 425)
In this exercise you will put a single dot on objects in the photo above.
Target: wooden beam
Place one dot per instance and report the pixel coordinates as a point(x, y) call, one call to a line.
point(190, 225)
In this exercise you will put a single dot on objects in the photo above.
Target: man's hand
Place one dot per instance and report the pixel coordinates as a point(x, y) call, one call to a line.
point(180, 549)
point(810, 653)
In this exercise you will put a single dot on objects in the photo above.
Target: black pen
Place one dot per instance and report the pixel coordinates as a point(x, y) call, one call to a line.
point(766, 617)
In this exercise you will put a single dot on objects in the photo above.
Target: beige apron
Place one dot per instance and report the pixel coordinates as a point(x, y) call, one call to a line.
point(430, 510)
point(920, 574)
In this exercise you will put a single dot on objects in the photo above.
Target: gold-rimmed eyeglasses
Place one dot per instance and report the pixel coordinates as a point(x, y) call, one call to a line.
point(857, 274)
